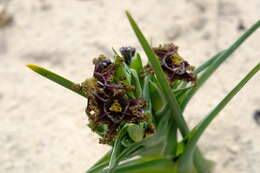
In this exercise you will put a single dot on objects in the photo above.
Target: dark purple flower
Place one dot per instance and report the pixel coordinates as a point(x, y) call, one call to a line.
point(173, 64)
point(127, 53)
point(108, 103)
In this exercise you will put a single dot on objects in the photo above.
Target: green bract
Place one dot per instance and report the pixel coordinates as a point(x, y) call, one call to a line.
point(138, 110)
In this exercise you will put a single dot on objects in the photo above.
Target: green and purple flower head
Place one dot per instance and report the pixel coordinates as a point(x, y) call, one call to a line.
point(111, 103)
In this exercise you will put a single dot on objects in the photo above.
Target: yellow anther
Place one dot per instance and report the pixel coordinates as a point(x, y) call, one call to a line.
point(177, 60)
point(115, 107)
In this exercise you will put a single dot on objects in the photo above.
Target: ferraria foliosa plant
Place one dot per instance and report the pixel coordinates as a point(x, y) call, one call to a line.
point(138, 109)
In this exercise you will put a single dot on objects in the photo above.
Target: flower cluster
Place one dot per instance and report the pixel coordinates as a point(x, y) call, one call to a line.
point(173, 64)
point(108, 103)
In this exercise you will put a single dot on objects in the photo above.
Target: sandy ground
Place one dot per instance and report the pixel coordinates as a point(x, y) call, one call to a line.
point(43, 126)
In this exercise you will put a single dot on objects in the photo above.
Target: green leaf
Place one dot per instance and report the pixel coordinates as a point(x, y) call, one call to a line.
point(179, 91)
point(201, 127)
point(154, 61)
point(206, 64)
point(177, 84)
point(105, 158)
point(149, 166)
point(127, 142)
point(146, 144)
point(163, 125)
point(123, 72)
point(57, 79)
point(102, 163)
point(117, 148)
point(135, 132)
point(135, 81)
point(157, 100)
point(98, 168)
point(223, 56)
point(164, 85)
point(146, 94)
point(131, 151)
point(171, 142)
point(136, 63)
point(154, 145)
point(120, 154)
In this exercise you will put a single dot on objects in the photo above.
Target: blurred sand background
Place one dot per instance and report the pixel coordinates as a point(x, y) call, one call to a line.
point(43, 126)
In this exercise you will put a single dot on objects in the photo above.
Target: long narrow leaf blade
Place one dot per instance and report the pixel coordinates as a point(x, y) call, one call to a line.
point(114, 160)
point(136, 63)
point(56, 78)
point(198, 70)
point(176, 112)
point(206, 64)
point(201, 127)
point(160, 75)
point(98, 168)
point(212, 68)
point(170, 147)
point(100, 164)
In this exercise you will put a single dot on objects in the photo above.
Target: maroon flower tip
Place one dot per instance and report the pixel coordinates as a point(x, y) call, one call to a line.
point(173, 64)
